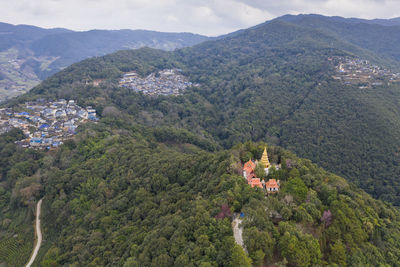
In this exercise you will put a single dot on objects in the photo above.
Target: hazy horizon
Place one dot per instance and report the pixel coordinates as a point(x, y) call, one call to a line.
point(205, 17)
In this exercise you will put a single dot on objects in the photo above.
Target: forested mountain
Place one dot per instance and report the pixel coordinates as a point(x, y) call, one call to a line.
point(156, 180)
point(383, 22)
point(118, 196)
point(272, 82)
point(369, 34)
point(29, 54)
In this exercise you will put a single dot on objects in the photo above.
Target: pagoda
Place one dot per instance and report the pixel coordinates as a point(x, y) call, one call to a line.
point(264, 160)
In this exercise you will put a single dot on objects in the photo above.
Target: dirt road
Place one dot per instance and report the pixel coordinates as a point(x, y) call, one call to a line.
point(238, 231)
point(38, 233)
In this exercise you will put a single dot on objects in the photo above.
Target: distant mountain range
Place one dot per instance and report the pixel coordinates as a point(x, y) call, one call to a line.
point(383, 22)
point(29, 54)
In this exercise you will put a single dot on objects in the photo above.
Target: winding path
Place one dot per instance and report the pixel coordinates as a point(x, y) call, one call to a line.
point(38, 233)
point(238, 231)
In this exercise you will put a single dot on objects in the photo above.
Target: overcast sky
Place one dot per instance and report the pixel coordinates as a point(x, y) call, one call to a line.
point(208, 17)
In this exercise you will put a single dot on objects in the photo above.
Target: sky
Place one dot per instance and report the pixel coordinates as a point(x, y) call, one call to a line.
point(207, 17)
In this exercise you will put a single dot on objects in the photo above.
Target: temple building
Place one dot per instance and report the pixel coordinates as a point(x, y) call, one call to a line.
point(248, 169)
point(256, 182)
point(272, 186)
point(249, 174)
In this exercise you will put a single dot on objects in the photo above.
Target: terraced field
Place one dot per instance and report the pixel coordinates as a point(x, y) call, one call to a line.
point(15, 80)
point(14, 251)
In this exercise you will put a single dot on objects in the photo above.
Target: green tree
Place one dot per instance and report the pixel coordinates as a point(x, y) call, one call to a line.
point(260, 171)
point(239, 257)
point(338, 253)
point(297, 188)
point(257, 241)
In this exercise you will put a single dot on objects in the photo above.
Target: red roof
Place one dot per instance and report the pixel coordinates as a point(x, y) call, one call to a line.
point(250, 165)
point(271, 184)
point(250, 176)
point(255, 182)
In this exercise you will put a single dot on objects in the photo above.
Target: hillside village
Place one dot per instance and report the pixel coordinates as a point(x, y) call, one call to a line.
point(165, 82)
point(46, 124)
point(355, 71)
point(249, 173)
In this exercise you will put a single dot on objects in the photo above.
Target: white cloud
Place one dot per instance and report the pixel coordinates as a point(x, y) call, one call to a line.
point(172, 18)
point(211, 17)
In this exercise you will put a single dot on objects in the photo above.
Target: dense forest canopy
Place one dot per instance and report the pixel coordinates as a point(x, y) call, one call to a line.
point(155, 182)
point(119, 197)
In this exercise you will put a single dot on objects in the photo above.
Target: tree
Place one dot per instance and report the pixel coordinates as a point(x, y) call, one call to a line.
point(258, 258)
point(338, 253)
point(297, 188)
point(131, 262)
point(239, 257)
point(327, 218)
point(260, 171)
point(299, 249)
point(256, 241)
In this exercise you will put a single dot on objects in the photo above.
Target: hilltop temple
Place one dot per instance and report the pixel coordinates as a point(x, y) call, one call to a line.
point(264, 161)
point(249, 174)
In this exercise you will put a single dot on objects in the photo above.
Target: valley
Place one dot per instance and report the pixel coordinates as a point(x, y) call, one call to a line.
point(277, 145)
point(15, 79)
point(30, 54)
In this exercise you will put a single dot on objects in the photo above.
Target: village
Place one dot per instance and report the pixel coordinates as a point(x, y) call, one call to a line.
point(355, 71)
point(272, 185)
point(165, 82)
point(46, 124)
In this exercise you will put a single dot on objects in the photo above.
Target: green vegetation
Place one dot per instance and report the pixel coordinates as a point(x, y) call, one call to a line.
point(19, 189)
point(14, 251)
point(358, 32)
point(119, 197)
point(273, 82)
point(155, 181)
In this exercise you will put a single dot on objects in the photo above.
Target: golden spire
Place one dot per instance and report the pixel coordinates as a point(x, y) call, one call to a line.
point(264, 159)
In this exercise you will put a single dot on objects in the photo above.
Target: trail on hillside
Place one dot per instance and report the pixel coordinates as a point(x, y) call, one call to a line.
point(38, 233)
point(238, 231)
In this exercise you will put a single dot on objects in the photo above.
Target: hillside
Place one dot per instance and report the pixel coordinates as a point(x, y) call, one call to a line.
point(272, 82)
point(157, 180)
point(363, 33)
point(120, 194)
point(30, 54)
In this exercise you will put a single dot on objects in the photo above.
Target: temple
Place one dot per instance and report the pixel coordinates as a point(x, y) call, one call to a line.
point(272, 186)
point(249, 168)
point(264, 160)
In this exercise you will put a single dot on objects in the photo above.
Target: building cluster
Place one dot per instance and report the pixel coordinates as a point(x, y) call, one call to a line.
point(46, 124)
point(271, 186)
point(355, 71)
point(165, 82)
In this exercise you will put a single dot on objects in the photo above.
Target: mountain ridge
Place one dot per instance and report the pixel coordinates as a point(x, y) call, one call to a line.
point(29, 54)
